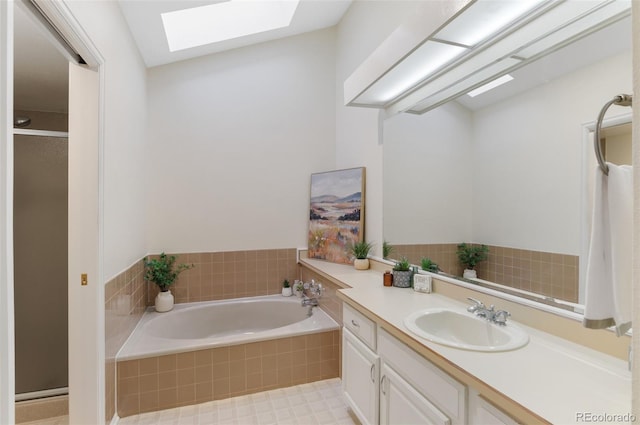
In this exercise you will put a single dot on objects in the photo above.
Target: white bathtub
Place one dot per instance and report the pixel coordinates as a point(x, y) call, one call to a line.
point(209, 324)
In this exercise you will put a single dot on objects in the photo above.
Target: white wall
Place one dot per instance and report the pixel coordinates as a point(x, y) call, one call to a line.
point(125, 148)
point(528, 158)
point(234, 138)
point(359, 130)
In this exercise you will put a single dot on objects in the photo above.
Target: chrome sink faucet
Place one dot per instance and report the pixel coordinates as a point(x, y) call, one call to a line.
point(479, 309)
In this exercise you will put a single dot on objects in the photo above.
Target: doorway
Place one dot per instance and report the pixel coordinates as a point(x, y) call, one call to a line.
point(41, 86)
point(86, 117)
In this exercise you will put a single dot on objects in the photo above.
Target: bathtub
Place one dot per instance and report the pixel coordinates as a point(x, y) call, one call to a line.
point(210, 324)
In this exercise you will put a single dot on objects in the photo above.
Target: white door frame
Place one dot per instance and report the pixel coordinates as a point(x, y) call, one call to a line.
point(7, 342)
point(86, 303)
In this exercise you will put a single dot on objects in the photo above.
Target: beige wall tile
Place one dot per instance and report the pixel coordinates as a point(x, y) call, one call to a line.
point(225, 375)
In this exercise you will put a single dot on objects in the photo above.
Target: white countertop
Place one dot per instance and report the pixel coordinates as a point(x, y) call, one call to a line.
point(552, 377)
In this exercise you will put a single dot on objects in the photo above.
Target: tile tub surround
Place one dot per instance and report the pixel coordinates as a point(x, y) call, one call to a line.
point(546, 273)
point(217, 275)
point(231, 274)
point(182, 379)
point(125, 302)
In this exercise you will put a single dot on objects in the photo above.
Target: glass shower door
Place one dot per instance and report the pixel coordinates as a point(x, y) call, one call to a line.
point(40, 261)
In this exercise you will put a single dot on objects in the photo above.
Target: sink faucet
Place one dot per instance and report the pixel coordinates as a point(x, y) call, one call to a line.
point(479, 309)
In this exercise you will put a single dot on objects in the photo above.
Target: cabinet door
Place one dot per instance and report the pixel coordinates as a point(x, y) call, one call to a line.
point(400, 403)
point(484, 413)
point(360, 377)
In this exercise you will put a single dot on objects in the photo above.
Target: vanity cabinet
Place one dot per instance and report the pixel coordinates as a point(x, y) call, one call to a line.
point(360, 378)
point(386, 382)
point(360, 366)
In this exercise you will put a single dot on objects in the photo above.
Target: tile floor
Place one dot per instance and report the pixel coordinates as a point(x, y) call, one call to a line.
point(308, 404)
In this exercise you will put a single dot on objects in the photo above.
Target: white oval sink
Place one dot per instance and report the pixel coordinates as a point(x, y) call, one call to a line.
point(464, 330)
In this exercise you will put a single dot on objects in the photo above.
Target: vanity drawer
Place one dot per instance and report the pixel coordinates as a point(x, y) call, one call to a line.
point(359, 325)
point(445, 392)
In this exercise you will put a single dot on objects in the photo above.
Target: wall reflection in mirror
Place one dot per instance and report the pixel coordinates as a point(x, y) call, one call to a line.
point(511, 168)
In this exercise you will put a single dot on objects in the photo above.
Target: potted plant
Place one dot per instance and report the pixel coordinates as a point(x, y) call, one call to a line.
point(402, 273)
point(286, 288)
point(163, 273)
point(470, 255)
point(429, 265)
point(360, 250)
point(298, 288)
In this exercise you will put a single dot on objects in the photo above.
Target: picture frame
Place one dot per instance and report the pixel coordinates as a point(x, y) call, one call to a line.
point(336, 214)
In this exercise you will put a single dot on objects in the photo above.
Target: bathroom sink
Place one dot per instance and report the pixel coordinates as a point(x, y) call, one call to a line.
point(464, 330)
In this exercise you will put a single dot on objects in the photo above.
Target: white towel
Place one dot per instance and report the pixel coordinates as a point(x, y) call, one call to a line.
point(608, 281)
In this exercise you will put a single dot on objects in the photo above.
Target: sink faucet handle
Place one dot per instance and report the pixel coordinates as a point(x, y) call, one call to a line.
point(477, 304)
point(500, 317)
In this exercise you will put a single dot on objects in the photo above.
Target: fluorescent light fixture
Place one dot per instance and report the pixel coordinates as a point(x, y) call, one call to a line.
point(587, 23)
point(484, 19)
point(212, 23)
point(457, 88)
point(425, 60)
point(490, 85)
point(486, 39)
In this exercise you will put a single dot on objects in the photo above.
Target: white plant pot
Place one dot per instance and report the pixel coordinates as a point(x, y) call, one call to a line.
point(287, 292)
point(361, 263)
point(469, 274)
point(164, 301)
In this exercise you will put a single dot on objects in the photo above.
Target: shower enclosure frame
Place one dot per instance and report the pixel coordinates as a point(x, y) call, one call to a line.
point(51, 391)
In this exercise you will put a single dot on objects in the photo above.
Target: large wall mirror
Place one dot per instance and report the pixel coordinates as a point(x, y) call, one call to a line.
point(510, 169)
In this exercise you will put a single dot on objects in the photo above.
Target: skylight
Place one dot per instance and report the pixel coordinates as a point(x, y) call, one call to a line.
point(202, 25)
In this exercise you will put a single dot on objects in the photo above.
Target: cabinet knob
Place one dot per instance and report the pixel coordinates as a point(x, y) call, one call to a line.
point(373, 370)
point(354, 323)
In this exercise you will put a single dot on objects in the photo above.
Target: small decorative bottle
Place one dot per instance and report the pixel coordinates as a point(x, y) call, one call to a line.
point(388, 278)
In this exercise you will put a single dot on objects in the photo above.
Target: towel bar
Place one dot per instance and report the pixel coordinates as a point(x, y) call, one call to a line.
point(621, 100)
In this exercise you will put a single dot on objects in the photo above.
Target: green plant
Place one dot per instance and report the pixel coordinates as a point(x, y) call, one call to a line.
point(402, 265)
point(360, 250)
point(285, 283)
point(470, 255)
point(429, 265)
point(161, 270)
point(386, 249)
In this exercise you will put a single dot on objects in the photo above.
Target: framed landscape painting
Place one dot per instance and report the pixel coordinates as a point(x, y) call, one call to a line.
point(336, 216)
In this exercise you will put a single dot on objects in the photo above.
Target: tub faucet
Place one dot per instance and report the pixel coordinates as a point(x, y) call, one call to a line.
point(315, 288)
point(309, 302)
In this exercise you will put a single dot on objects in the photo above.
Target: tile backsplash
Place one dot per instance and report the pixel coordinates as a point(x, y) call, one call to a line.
point(231, 274)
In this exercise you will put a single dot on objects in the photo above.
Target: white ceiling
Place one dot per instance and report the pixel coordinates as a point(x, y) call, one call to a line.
point(145, 23)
